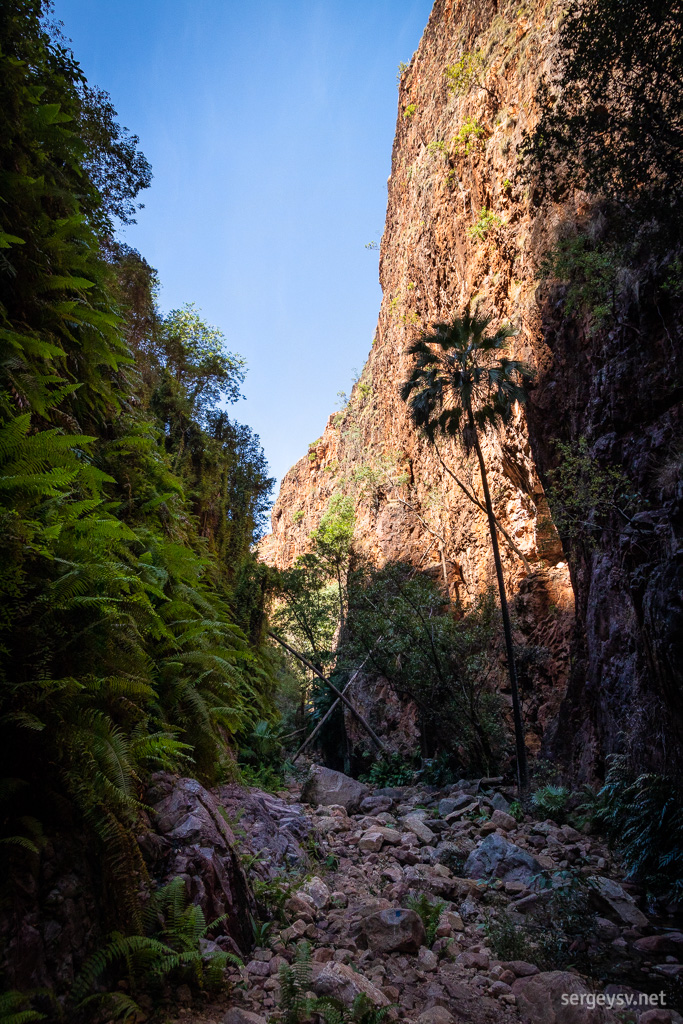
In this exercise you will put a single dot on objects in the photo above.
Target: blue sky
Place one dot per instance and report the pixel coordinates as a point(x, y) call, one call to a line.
point(269, 126)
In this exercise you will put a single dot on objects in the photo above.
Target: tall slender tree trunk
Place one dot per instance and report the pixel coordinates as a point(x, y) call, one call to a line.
point(522, 770)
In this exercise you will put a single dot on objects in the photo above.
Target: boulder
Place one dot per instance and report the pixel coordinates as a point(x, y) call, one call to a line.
point(325, 787)
point(371, 841)
point(499, 803)
point(436, 1015)
point(454, 803)
point(495, 857)
point(621, 902)
point(394, 931)
point(376, 804)
point(236, 1015)
point(558, 997)
point(339, 981)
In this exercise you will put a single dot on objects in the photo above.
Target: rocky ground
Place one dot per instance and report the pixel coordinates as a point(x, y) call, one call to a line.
point(347, 864)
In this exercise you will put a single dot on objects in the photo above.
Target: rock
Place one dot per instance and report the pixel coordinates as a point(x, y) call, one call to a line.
point(555, 997)
point(499, 988)
point(371, 841)
point(258, 968)
point(606, 929)
point(394, 931)
point(436, 1015)
point(621, 902)
point(415, 825)
point(200, 846)
point(317, 892)
point(271, 825)
point(664, 943)
point(520, 968)
point(236, 1015)
point(495, 857)
point(427, 960)
point(392, 874)
point(499, 803)
point(451, 920)
point(325, 786)
point(501, 819)
point(376, 804)
point(295, 931)
point(454, 803)
point(655, 1016)
point(300, 906)
point(474, 958)
point(343, 983)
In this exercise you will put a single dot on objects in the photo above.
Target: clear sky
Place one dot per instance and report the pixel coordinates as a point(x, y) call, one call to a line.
point(269, 126)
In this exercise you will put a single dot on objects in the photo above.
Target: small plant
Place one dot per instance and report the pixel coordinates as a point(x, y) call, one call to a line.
point(271, 895)
point(507, 941)
point(428, 912)
point(516, 810)
point(487, 221)
point(468, 136)
point(295, 982)
point(15, 1009)
point(402, 67)
point(451, 179)
point(466, 72)
point(298, 515)
point(372, 245)
point(552, 801)
point(506, 185)
point(437, 147)
point(410, 110)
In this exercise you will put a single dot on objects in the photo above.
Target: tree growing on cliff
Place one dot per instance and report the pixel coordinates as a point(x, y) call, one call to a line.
point(457, 388)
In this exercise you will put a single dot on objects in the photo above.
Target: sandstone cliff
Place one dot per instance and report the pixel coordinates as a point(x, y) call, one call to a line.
point(463, 226)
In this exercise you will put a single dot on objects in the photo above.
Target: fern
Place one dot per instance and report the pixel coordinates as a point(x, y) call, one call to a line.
point(295, 982)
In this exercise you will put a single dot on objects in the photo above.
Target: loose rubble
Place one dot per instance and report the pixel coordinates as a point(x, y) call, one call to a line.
point(358, 910)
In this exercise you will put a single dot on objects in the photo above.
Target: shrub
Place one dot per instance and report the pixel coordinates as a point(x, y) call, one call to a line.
point(551, 801)
point(468, 136)
point(390, 770)
point(487, 221)
point(465, 72)
point(590, 271)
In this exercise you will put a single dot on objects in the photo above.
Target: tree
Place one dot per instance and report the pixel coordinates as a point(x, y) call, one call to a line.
point(332, 542)
point(458, 387)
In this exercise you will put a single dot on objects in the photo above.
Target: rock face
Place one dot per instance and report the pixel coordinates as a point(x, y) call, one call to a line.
point(558, 997)
point(194, 842)
point(611, 386)
point(327, 787)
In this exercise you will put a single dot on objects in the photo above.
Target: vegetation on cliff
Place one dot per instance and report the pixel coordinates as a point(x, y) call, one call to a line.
point(132, 605)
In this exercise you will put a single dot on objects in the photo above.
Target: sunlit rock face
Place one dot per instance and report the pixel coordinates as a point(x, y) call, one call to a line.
point(462, 226)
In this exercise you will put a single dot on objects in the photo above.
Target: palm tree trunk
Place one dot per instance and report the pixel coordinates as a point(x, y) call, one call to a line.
point(522, 770)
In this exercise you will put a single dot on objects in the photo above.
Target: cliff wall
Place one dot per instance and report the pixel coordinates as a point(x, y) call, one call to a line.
point(463, 226)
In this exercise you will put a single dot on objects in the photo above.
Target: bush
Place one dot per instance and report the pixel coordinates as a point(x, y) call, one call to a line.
point(390, 770)
point(551, 802)
point(429, 912)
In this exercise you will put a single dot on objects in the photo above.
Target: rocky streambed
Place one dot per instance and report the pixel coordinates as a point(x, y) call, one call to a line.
point(439, 905)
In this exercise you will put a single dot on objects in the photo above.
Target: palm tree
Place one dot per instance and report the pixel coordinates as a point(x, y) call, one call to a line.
point(457, 387)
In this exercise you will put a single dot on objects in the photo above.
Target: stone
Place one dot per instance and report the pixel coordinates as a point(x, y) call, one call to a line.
point(606, 929)
point(621, 902)
point(301, 907)
point(474, 958)
point(657, 1015)
point(236, 1015)
point(540, 999)
point(371, 841)
point(258, 968)
point(452, 920)
point(499, 803)
point(449, 804)
point(496, 857)
point(317, 892)
point(436, 1015)
point(394, 931)
point(520, 968)
point(667, 942)
point(426, 959)
point(376, 804)
point(501, 819)
point(295, 931)
point(415, 825)
point(325, 787)
point(339, 981)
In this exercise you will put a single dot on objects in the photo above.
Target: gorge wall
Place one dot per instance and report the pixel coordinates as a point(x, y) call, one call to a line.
point(463, 226)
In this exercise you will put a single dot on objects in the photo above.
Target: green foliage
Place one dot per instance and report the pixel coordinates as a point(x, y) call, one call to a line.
point(295, 982)
point(15, 1009)
point(132, 607)
point(429, 911)
point(468, 137)
point(402, 67)
point(390, 770)
point(551, 802)
point(167, 947)
point(409, 111)
point(437, 146)
point(583, 495)
point(487, 221)
point(516, 810)
point(643, 816)
point(398, 620)
point(465, 72)
point(590, 270)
